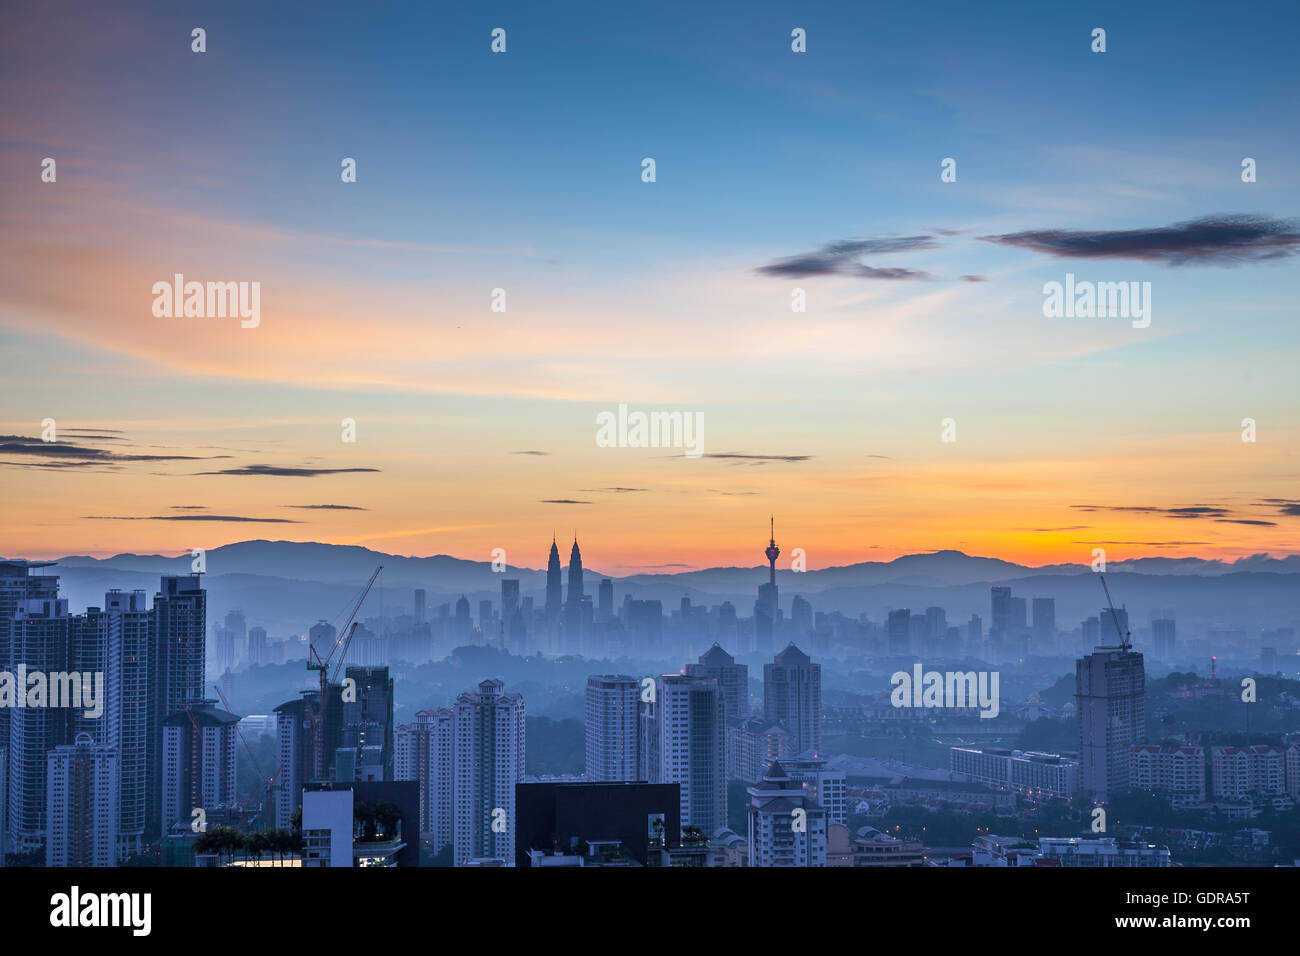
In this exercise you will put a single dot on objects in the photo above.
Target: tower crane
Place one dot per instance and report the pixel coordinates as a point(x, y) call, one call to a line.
point(316, 663)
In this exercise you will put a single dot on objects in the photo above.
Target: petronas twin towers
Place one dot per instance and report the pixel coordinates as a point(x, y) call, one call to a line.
point(570, 610)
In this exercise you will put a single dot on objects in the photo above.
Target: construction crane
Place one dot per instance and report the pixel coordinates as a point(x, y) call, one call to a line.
point(257, 767)
point(1110, 605)
point(315, 663)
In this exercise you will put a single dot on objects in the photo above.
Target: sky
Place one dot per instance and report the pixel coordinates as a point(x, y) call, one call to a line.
point(775, 171)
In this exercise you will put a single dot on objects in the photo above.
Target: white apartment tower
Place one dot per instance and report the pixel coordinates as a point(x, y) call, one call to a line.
point(683, 741)
point(613, 702)
point(425, 753)
point(489, 761)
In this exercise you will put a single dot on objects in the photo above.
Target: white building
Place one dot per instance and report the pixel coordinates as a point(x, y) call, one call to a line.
point(1101, 852)
point(425, 753)
point(83, 782)
point(489, 761)
point(613, 701)
point(824, 787)
point(1239, 772)
point(327, 827)
point(1026, 771)
point(683, 741)
point(198, 768)
point(1175, 773)
point(786, 828)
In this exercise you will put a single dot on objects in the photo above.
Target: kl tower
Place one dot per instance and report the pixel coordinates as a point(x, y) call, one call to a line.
point(772, 551)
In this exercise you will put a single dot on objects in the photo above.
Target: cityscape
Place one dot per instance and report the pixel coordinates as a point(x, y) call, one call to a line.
point(775, 735)
point(442, 438)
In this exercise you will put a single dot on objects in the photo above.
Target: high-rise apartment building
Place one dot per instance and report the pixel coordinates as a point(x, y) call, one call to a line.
point(792, 696)
point(786, 827)
point(683, 741)
point(489, 761)
point(1110, 694)
point(613, 703)
point(82, 794)
point(732, 678)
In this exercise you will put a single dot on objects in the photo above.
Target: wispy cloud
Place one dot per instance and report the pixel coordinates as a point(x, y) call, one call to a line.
point(283, 472)
point(327, 507)
point(194, 517)
point(841, 257)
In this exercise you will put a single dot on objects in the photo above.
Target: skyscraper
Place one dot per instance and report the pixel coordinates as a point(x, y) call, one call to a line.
point(489, 761)
point(198, 761)
point(1110, 695)
point(17, 584)
point(39, 641)
point(425, 753)
point(613, 702)
point(367, 724)
point(129, 626)
point(684, 742)
point(573, 602)
point(899, 632)
point(554, 597)
point(732, 678)
point(792, 696)
point(1000, 616)
point(176, 660)
point(1044, 619)
point(606, 599)
point(82, 793)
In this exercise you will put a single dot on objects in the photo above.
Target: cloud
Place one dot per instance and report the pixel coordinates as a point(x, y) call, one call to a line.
point(760, 458)
point(731, 493)
point(562, 501)
point(613, 491)
point(530, 453)
point(1267, 524)
point(22, 445)
point(840, 257)
point(1189, 511)
point(1285, 506)
point(1219, 240)
point(974, 279)
point(283, 472)
point(328, 507)
point(218, 518)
